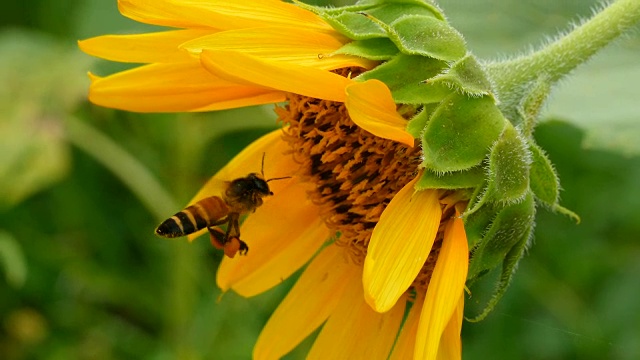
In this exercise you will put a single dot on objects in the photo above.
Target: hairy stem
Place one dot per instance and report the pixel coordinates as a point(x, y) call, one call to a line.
point(562, 56)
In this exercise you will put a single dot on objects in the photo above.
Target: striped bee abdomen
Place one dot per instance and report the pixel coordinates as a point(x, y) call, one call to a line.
point(204, 213)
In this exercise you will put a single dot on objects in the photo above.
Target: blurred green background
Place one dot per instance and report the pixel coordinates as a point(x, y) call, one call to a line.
point(81, 189)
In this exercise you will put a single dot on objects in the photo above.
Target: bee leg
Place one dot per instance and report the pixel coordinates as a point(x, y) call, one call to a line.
point(228, 241)
point(244, 249)
point(217, 237)
point(233, 246)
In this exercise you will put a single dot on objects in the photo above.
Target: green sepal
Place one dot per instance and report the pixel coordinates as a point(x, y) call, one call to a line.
point(367, 19)
point(509, 266)
point(544, 180)
point(460, 132)
point(512, 224)
point(389, 11)
point(467, 76)
point(416, 125)
point(418, 6)
point(464, 179)
point(373, 49)
point(427, 36)
point(532, 103)
point(355, 26)
point(477, 223)
point(509, 163)
point(408, 87)
point(545, 184)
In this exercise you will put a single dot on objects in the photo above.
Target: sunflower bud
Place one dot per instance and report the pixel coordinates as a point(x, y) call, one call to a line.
point(470, 145)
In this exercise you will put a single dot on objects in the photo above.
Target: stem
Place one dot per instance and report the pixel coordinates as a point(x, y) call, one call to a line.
point(127, 168)
point(565, 54)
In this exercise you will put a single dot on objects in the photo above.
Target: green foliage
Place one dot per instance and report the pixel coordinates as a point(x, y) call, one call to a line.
point(98, 285)
point(509, 162)
point(32, 146)
point(410, 87)
point(467, 76)
point(459, 133)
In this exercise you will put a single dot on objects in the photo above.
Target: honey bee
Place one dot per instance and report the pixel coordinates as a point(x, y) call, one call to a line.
point(241, 196)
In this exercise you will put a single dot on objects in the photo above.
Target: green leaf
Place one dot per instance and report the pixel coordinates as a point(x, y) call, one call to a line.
point(408, 87)
point(427, 36)
point(461, 132)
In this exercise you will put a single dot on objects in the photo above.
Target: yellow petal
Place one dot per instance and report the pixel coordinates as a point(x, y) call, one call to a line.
point(249, 160)
point(354, 331)
point(294, 45)
point(372, 108)
point(311, 300)
point(450, 344)
point(399, 245)
point(170, 88)
point(245, 99)
point(158, 47)
point(226, 14)
point(278, 244)
point(403, 348)
point(445, 289)
point(250, 70)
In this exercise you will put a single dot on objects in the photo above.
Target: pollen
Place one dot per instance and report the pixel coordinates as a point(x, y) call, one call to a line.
point(355, 174)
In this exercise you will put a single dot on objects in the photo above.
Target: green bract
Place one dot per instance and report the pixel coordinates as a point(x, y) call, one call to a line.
point(476, 137)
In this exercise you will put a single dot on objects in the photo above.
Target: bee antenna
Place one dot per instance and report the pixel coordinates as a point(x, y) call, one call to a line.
point(280, 178)
point(262, 171)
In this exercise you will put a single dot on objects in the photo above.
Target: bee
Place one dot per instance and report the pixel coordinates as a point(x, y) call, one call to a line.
point(241, 196)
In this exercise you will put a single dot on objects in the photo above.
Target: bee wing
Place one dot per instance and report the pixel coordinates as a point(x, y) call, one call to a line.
point(213, 187)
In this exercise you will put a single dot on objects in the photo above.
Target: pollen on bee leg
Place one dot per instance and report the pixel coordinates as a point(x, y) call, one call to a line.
point(233, 246)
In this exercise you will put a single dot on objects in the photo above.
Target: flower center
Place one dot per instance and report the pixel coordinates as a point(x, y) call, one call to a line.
point(356, 174)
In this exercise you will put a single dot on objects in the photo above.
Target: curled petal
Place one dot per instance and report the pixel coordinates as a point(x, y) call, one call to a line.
point(399, 245)
point(371, 107)
point(444, 292)
point(292, 45)
point(450, 343)
point(240, 68)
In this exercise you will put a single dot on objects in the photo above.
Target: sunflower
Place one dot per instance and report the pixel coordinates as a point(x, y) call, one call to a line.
point(376, 247)
point(386, 261)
